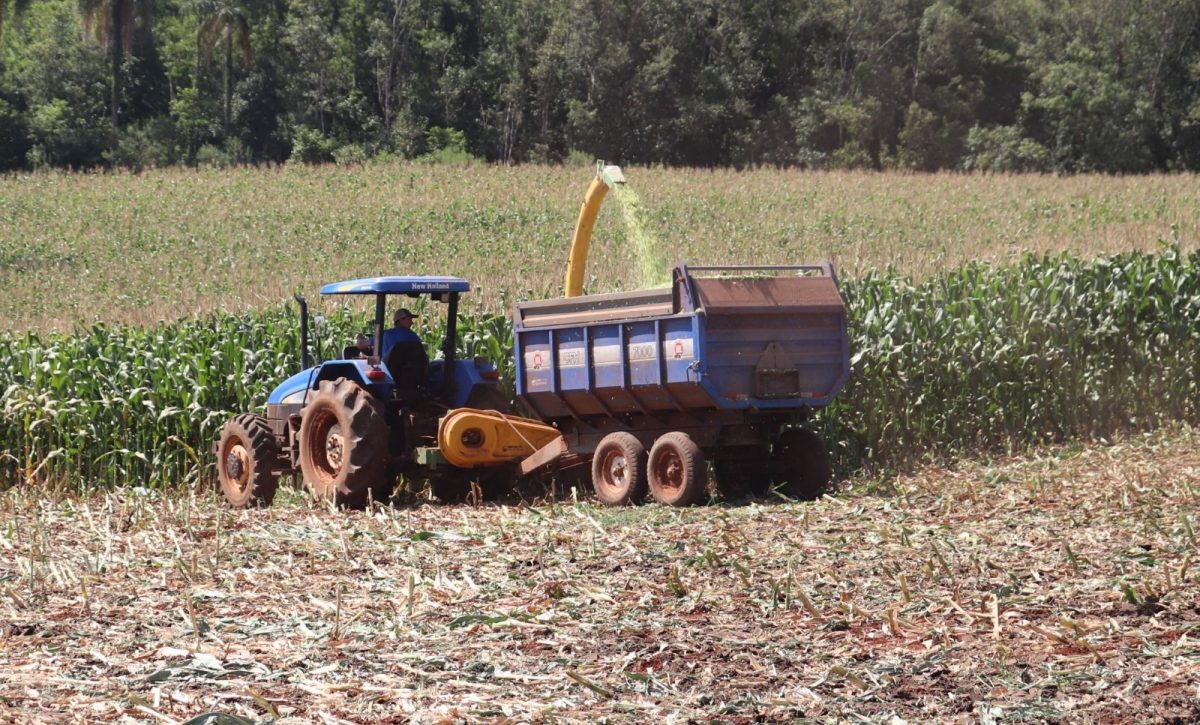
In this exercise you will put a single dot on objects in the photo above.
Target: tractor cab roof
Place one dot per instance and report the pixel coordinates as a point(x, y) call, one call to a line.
point(410, 285)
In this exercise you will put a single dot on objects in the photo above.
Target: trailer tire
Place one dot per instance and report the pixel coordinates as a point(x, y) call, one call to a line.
point(246, 453)
point(803, 466)
point(677, 471)
point(344, 445)
point(619, 470)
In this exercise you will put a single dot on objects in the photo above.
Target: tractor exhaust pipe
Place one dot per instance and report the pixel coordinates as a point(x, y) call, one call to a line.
point(305, 358)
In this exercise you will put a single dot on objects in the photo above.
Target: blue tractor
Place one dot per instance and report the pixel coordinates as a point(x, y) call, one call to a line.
point(350, 425)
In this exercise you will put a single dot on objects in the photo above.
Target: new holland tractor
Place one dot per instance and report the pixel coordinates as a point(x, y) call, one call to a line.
point(350, 425)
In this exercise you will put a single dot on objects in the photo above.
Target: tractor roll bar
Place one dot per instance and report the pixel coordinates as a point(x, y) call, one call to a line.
point(450, 344)
point(380, 313)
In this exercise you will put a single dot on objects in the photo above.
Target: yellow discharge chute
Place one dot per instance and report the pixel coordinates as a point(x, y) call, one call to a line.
point(468, 437)
point(606, 176)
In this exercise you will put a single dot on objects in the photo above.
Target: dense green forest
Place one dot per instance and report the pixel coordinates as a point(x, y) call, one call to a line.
point(1055, 85)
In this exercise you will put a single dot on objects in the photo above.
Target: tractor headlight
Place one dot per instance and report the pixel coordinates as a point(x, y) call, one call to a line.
point(295, 398)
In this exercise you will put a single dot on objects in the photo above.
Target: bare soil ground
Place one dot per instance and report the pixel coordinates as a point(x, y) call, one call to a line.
point(1060, 586)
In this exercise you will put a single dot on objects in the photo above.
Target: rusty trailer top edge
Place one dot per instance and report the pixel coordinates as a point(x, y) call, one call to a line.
point(594, 308)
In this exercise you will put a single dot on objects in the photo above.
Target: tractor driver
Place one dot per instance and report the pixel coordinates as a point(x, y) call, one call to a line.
point(401, 331)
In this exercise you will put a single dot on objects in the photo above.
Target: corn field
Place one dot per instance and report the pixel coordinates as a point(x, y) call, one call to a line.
point(155, 247)
point(983, 358)
point(979, 358)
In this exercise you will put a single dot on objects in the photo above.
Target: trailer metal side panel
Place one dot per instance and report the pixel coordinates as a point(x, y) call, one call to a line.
point(772, 339)
point(813, 344)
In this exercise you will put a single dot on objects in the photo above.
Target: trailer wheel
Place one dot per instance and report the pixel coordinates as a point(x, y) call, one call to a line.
point(619, 470)
point(803, 466)
point(246, 451)
point(344, 445)
point(678, 474)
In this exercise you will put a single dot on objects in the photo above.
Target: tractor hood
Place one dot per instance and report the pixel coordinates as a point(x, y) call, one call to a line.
point(292, 390)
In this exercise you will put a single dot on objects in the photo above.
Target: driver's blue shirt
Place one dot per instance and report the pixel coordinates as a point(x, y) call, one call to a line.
point(393, 336)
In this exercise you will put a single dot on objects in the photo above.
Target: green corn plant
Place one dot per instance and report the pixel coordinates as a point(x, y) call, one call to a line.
point(984, 358)
point(976, 358)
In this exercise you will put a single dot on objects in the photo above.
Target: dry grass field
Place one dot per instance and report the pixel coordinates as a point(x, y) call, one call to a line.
point(1057, 587)
point(175, 243)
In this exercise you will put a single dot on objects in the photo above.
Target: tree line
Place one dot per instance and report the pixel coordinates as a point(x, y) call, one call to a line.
point(1003, 85)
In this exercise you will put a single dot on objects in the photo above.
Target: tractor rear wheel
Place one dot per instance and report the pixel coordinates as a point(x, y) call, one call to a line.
point(803, 468)
point(619, 470)
point(246, 453)
point(344, 445)
point(678, 474)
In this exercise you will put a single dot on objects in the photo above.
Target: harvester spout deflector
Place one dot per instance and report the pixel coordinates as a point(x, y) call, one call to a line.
point(606, 177)
point(610, 175)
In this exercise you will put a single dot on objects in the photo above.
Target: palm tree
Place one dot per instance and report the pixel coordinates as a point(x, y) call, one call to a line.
point(113, 23)
point(224, 21)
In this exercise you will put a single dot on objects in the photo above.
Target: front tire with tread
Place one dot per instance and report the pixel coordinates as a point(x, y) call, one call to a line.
point(246, 455)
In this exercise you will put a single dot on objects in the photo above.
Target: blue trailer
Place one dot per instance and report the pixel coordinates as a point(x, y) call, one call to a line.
point(725, 365)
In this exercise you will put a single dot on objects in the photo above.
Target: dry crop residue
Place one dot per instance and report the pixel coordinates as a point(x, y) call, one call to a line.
point(1057, 586)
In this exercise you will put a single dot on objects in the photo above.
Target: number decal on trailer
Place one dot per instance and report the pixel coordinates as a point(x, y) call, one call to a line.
point(570, 357)
point(641, 351)
point(573, 357)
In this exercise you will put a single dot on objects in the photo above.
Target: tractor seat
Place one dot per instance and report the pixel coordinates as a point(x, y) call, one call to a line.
point(409, 366)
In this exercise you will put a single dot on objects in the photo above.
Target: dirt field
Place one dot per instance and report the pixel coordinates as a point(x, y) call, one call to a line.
point(1056, 587)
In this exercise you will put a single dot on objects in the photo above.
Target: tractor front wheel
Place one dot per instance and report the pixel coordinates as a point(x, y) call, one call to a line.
point(344, 445)
point(246, 453)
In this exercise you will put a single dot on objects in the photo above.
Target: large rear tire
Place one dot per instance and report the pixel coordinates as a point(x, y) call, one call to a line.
point(802, 463)
point(246, 454)
point(619, 470)
point(344, 445)
point(678, 474)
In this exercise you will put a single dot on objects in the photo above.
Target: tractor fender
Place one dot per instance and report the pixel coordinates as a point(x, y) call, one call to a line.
point(473, 378)
point(356, 370)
